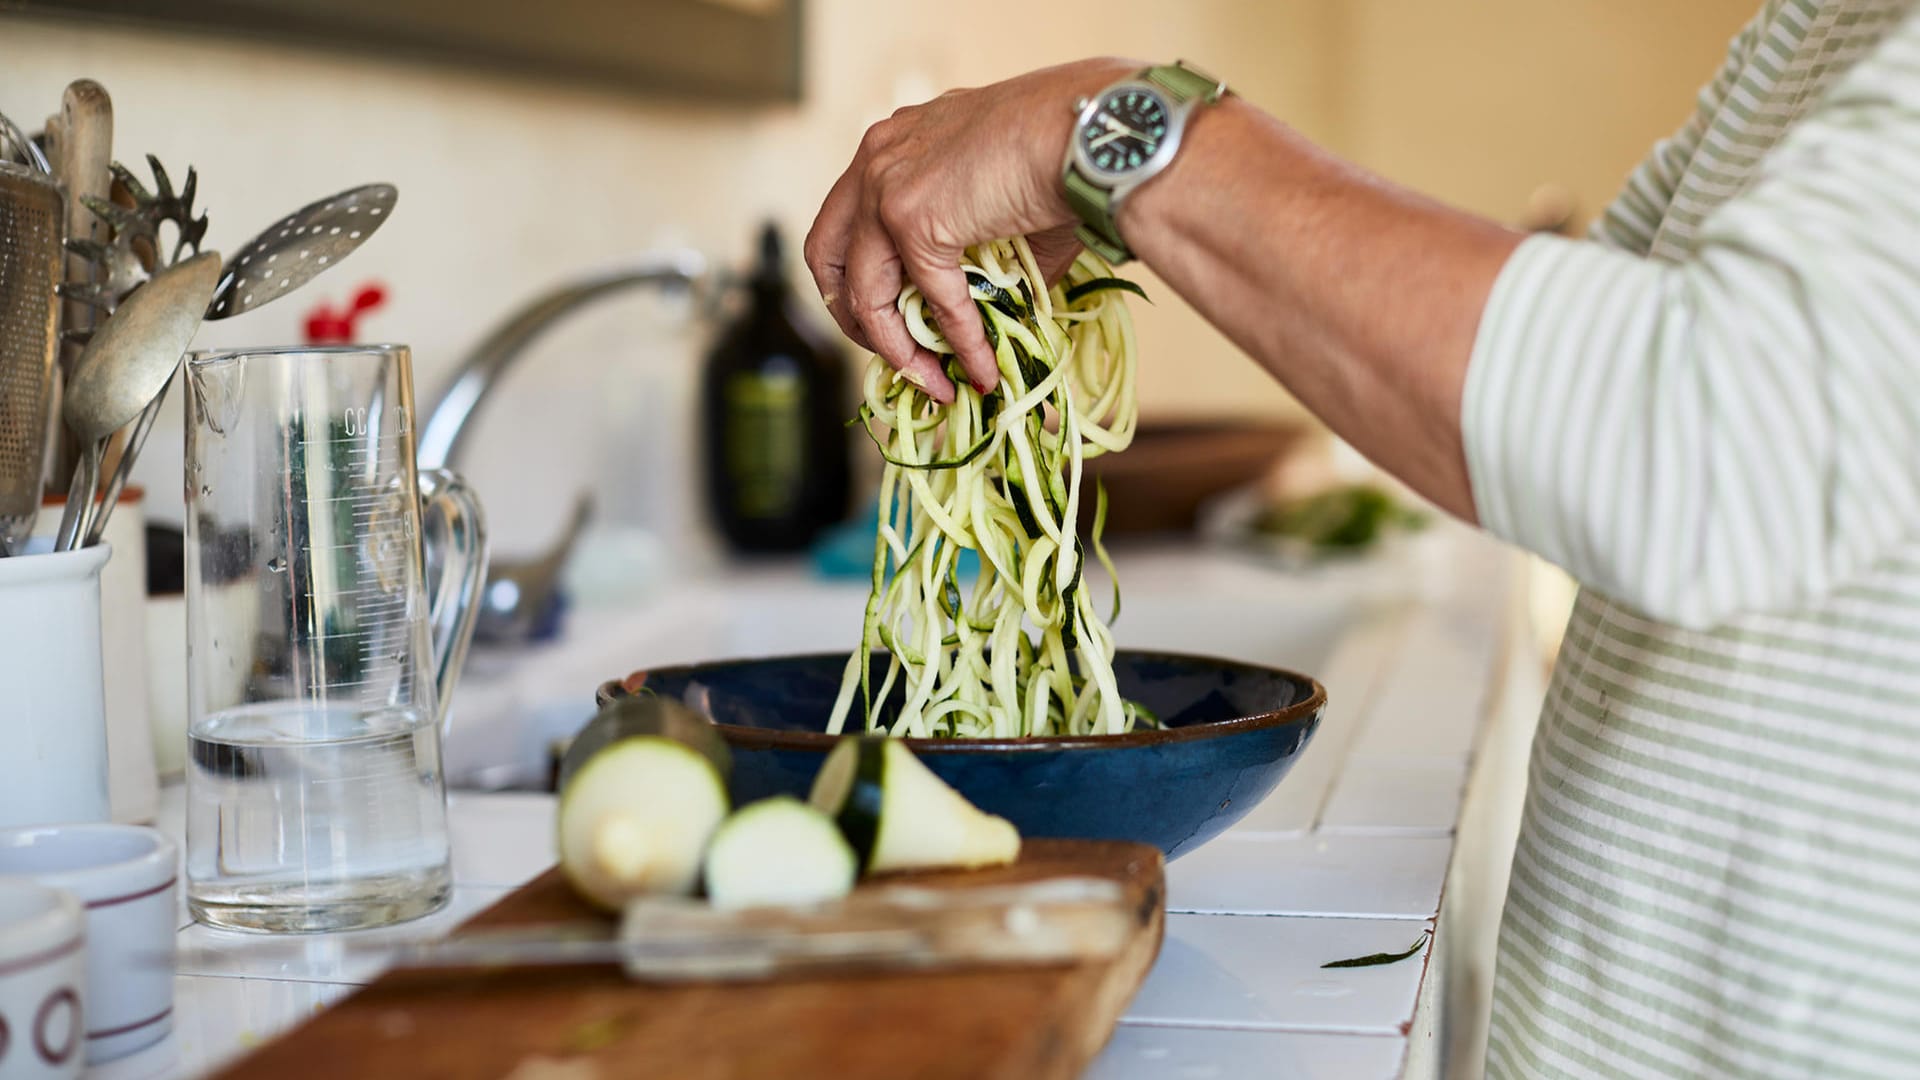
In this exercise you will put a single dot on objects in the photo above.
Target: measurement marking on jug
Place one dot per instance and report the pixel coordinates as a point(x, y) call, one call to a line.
point(361, 635)
point(351, 498)
point(396, 557)
point(358, 420)
point(384, 613)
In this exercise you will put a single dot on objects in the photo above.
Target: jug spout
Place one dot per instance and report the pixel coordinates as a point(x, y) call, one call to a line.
point(215, 381)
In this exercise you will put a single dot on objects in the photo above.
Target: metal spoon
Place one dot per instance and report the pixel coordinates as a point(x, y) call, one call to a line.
point(131, 359)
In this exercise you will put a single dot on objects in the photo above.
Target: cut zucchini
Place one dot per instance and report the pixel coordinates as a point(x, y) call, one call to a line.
point(778, 852)
point(899, 816)
point(645, 715)
point(637, 807)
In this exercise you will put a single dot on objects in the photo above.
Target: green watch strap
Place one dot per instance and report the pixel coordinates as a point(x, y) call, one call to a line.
point(1185, 83)
point(1090, 203)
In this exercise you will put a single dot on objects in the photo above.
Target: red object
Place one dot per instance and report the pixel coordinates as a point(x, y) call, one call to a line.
point(326, 326)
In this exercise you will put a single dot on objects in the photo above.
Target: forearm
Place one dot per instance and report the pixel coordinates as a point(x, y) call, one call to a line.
point(1361, 298)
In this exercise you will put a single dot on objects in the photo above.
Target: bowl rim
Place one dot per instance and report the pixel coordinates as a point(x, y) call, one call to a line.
point(1305, 710)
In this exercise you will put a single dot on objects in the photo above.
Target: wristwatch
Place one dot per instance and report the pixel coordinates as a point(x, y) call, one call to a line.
point(1126, 135)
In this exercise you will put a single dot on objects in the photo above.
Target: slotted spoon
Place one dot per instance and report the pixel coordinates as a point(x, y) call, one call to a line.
point(300, 246)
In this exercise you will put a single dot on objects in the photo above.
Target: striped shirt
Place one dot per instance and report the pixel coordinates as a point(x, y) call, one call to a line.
point(1709, 413)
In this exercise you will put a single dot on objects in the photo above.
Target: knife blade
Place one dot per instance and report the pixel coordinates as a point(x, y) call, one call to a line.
point(891, 928)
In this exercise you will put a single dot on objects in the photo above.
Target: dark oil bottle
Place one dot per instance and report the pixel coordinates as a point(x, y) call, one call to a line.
point(775, 403)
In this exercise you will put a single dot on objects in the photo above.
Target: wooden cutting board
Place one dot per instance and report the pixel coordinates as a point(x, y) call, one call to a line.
point(588, 1022)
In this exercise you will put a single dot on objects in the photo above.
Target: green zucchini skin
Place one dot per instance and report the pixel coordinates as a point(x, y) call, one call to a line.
point(850, 788)
point(645, 714)
point(859, 816)
point(897, 814)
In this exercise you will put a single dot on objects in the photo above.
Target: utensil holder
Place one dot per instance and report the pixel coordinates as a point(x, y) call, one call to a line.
point(133, 781)
point(53, 726)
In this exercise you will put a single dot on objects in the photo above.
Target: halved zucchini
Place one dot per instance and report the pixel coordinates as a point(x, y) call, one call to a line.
point(899, 816)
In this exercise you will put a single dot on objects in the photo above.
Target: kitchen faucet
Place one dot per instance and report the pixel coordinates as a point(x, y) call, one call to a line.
point(519, 594)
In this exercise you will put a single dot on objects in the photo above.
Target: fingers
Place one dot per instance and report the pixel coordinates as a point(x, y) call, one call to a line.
point(927, 372)
point(830, 248)
point(945, 288)
point(826, 251)
point(873, 278)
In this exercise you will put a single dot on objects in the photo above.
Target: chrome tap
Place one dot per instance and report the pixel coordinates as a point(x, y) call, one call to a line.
point(519, 594)
point(439, 442)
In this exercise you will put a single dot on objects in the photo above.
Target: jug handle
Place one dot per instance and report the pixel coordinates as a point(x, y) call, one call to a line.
point(462, 560)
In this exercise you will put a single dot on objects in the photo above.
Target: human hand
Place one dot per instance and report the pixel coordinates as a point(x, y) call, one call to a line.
point(967, 167)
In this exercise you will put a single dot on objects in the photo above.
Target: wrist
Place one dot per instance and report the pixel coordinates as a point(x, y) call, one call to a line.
point(1208, 132)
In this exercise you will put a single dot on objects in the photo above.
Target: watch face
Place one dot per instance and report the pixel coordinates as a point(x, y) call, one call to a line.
point(1125, 129)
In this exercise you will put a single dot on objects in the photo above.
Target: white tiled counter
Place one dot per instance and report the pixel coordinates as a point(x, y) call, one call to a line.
point(1350, 856)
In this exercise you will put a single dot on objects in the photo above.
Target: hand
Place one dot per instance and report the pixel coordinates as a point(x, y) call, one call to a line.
point(967, 167)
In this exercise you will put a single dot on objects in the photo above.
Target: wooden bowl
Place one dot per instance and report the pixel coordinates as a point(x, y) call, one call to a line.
point(1159, 484)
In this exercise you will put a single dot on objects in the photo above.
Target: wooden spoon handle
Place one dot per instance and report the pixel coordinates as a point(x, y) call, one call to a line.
point(82, 158)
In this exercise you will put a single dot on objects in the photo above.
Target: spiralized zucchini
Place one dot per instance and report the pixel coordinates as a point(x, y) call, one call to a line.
point(1022, 651)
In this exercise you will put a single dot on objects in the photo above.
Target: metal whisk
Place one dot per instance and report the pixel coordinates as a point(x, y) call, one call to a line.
point(32, 220)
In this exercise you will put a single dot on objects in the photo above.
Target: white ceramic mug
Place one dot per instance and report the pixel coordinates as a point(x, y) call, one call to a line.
point(53, 726)
point(42, 982)
point(127, 877)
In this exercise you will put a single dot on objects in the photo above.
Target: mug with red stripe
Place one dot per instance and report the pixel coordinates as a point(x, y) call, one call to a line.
point(126, 878)
point(42, 981)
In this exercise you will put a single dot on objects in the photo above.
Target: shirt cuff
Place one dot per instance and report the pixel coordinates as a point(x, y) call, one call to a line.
point(1517, 392)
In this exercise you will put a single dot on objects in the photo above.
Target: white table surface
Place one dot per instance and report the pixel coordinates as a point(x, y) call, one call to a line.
point(1348, 857)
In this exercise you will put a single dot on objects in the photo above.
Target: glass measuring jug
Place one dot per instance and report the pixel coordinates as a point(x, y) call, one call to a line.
point(319, 670)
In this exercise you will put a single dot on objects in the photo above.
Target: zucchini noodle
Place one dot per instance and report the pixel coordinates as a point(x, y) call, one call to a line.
point(1022, 650)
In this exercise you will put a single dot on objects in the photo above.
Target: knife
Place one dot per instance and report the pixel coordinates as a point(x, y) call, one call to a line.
point(891, 928)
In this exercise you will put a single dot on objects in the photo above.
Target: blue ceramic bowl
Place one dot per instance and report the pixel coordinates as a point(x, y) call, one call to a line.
point(1232, 732)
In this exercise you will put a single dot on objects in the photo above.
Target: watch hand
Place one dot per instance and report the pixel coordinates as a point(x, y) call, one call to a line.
point(1116, 128)
point(1105, 139)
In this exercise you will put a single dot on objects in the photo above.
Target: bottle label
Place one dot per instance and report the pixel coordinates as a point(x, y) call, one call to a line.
point(765, 442)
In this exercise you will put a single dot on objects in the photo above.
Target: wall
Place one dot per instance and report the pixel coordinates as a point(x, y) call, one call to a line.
point(1479, 102)
point(508, 184)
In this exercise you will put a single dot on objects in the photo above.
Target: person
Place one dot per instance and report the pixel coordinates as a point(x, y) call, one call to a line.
point(1707, 410)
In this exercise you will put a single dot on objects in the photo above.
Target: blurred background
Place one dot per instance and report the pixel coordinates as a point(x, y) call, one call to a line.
point(521, 169)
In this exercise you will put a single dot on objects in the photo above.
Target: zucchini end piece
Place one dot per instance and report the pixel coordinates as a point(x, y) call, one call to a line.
point(635, 818)
point(778, 852)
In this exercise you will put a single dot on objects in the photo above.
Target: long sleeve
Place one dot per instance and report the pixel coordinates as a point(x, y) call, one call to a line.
point(1737, 429)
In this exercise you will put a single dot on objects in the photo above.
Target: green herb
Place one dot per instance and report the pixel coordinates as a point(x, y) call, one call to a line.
point(1376, 959)
point(1349, 518)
